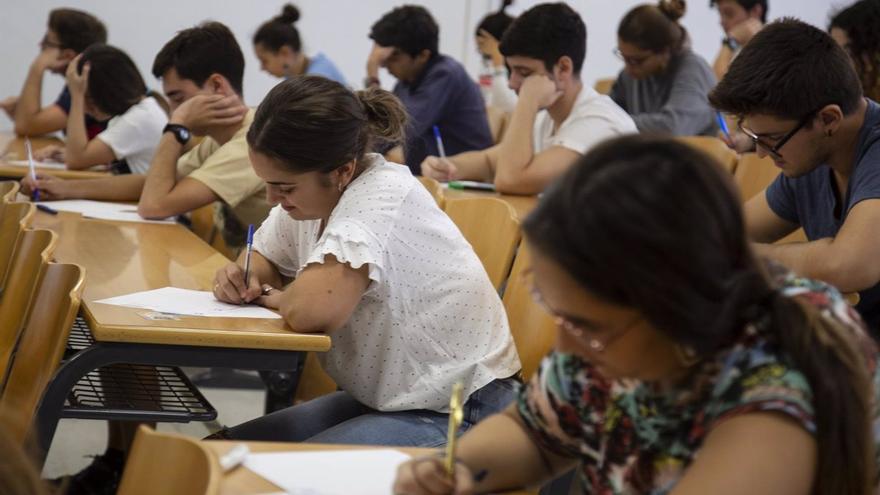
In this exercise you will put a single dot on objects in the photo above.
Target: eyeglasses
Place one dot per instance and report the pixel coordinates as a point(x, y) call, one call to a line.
point(773, 149)
point(632, 61)
point(578, 330)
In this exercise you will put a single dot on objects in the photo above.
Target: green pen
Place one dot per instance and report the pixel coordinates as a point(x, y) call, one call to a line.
point(471, 184)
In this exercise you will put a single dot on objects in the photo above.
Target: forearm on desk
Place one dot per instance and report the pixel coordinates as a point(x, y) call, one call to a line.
point(117, 188)
point(818, 260)
point(475, 165)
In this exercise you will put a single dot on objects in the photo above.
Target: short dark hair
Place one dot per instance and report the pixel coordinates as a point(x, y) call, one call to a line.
point(409, 28)
point(547, 32)
point(314, 124)
point(860, 21)
point(748, 5)
point(787, 70)
point(114, 81)
point(200, 51)
point(77, 30)
point(496, 22)
point(280, 31)
point(655, 27)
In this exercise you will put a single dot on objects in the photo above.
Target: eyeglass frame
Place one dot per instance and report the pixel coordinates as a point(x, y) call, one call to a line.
point(595, 344)
point(632, 61)
point(773, 150)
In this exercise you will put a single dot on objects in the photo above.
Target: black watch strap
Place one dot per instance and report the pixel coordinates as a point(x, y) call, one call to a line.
point(181, 133)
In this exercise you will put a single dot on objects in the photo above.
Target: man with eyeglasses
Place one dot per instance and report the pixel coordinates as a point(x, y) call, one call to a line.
point(800, 101)
point(68, 34)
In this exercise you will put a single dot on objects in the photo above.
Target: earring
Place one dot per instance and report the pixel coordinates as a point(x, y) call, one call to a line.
point(340, 186)
point(686, 355)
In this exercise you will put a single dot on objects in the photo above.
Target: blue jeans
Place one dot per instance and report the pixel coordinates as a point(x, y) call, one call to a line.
point(339, 418)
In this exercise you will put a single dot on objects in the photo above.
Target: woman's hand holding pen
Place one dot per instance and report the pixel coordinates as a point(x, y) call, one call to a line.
point(230, 286)
point(51, 188)
point(426, 475)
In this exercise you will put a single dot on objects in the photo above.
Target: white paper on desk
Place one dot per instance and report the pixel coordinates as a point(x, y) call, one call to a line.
point(330, 472)
point(188, 302)
point(37, 164)
point(102, 210)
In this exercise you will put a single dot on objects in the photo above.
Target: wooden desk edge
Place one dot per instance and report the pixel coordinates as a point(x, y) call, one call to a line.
point(194, 336)
point(17, 172)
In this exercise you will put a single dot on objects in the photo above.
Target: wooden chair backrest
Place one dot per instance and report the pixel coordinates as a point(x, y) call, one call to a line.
point(436, 190)
point(169, 464)
point(8, 191)
point(491, 227)
point(32, 255)
point(753, 175)
point(533, 330)
point(15, 218)
point(715, 148)
point(603, 86)
point(42, 342)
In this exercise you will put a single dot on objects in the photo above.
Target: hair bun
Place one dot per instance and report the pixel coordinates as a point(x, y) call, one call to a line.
point(504, 5)
point(289, 14)
point(673, 9)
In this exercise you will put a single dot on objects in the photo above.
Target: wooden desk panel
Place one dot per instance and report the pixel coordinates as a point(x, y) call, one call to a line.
point(14, 149)
point(126, 257)
point(522, 204)
point(244, 481)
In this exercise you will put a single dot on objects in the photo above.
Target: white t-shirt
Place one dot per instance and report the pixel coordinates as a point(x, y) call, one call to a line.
point(495, 89)
point(134, 135)
point(593, 119)
point(430, 316)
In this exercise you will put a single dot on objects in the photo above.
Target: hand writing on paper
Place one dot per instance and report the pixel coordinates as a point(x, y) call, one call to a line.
point(439, 168)
point(427, 476)
point(51, 188)
point(540, 89)
point(77, 81)
point(202, 112)
point(230, 286)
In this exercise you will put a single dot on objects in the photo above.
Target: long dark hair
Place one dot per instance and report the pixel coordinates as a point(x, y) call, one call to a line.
point(496, 22)
point(311, 123)
point(652, 224)
point(655, 27)
point(115, 84)
point(280, 31)
point(861, 22)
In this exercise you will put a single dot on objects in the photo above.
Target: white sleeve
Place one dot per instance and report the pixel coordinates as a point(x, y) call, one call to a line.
point(350, 242)
point(125, 135)
point(276, 241)
point(588, 130)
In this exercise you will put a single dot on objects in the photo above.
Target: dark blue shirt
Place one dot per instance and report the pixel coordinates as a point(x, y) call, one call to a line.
point(443, 95)
point(811, 202)
point(93, 127)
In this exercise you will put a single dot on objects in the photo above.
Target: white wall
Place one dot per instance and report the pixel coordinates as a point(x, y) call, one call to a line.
point(338, 28)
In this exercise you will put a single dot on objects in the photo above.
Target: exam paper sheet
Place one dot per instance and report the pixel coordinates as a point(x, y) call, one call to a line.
point(188, 302)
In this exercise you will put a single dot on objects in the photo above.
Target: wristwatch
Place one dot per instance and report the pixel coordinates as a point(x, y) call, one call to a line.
point(731, 43)
point(181, 133)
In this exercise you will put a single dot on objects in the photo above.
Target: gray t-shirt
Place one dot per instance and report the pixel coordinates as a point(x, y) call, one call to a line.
point(673, 102)
point(810, 201)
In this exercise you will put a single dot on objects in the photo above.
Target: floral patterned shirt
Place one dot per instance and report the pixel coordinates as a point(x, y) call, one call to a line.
point(632, 439)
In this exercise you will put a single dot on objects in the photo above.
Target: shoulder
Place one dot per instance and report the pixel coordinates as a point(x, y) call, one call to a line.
point(693, 65)
point(592, 106)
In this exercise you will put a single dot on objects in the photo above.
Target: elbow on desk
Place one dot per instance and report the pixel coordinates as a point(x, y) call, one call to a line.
point(304, 320)
point(850, 276)
point(510, 185)
point(153, 211)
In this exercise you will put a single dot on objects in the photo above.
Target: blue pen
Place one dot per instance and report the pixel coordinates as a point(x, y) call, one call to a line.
point(247, 254)
point(722, 124)
point(439, 140)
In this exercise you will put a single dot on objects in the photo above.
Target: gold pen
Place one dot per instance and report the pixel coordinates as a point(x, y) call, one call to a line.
point(456, 414)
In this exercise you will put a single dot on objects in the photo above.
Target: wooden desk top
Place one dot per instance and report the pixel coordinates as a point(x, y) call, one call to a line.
point(13, 149)
point(522, 204)
point(125, 257)
point(244, 481)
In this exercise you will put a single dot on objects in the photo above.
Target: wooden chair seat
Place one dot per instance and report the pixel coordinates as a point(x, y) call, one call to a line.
point(715, 148)
point(14, 219)
point(169, 464)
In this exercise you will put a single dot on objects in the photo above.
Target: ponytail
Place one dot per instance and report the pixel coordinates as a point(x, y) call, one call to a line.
point(655, 27)
point(386, 118)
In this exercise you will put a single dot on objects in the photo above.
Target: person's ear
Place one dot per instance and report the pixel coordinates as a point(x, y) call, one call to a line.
point(564, 68)
point(757, 11)
point(830, 116)
point(423, 56)
point(286, 52)
point(67, 54)
point(218, 85)
point(345, 173)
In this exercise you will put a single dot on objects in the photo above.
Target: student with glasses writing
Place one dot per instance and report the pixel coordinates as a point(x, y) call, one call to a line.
point(683, 363)
point(800, 101)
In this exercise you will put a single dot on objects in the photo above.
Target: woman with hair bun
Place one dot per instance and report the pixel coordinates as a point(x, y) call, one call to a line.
point(664, 85)
point(278, 47)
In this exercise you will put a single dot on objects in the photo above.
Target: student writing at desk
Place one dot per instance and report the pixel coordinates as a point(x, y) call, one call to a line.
point(69, 32)
point(824, 136)
point(377, 265)
point(201, 70)
point(683, 364)
point(556, 118)
point(105, 84)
